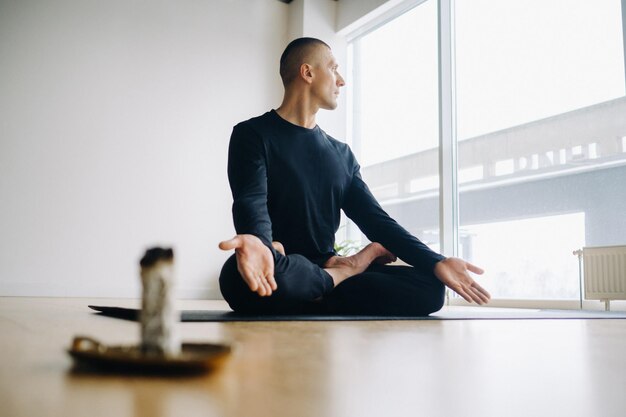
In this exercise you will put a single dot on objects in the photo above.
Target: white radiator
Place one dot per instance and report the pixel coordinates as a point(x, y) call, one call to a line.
point(605, 273)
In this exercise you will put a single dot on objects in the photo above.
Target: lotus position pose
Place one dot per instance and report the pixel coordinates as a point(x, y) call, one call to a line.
point(289, 181)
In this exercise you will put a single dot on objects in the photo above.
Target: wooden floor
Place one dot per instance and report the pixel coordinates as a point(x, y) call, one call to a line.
point(322, 369)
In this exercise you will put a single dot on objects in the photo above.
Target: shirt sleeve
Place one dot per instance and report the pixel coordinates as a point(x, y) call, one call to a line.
point(247, 175)
point(361, 206)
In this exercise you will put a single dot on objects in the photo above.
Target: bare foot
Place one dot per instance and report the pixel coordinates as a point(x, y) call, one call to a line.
point(279, 247)
point(341, 268)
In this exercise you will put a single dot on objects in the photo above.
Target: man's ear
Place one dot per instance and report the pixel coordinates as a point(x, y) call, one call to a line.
point(306, 72)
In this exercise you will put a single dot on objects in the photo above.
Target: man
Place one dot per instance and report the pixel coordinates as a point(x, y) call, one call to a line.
point(289, 181)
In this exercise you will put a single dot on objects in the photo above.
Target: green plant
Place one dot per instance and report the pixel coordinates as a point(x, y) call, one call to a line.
point(347, 247)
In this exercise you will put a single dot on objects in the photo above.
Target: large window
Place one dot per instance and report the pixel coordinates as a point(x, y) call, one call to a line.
point(539, 130)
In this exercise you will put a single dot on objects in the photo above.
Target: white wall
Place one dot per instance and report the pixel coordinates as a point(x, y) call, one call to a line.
point(114, 125)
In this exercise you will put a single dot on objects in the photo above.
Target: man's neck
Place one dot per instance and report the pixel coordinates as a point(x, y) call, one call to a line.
point(298, 111)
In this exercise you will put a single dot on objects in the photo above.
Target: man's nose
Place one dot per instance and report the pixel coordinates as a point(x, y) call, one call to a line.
point(340, 81)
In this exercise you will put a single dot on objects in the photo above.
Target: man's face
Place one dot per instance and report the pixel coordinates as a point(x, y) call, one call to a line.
point(326, 80)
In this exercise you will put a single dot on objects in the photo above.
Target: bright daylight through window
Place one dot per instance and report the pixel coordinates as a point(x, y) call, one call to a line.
point(540, 128)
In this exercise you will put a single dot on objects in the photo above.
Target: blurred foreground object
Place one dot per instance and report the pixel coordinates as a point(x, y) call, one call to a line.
point(158, 316)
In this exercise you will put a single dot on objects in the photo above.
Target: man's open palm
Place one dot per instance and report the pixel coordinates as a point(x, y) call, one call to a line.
point(453, 272)
point(255, 263)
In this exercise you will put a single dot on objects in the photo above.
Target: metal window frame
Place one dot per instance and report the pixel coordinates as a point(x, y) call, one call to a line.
point(624, 35)
point(448, 156)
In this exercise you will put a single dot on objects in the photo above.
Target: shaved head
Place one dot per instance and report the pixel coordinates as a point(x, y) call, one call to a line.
point(299, 51)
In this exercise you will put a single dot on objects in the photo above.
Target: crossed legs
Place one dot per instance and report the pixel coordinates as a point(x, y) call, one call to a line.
point(345, 285)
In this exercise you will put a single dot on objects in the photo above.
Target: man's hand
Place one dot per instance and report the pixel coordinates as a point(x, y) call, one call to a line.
point(453, 272)
point(255, 263)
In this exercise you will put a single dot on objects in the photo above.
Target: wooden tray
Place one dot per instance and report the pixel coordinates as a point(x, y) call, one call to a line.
point(194, 357)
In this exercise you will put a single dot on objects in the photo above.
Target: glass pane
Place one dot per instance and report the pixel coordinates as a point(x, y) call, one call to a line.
point(540, 115)
point(396, 118)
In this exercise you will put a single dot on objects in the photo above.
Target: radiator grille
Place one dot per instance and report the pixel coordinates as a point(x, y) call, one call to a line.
point(605, 272)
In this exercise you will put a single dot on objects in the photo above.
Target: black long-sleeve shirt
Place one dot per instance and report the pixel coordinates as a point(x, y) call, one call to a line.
point(289, 184)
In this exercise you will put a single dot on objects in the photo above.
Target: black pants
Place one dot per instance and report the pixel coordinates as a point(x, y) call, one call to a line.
point(304, 287)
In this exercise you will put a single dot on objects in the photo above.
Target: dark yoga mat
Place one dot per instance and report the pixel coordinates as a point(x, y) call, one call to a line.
point(478, 314)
